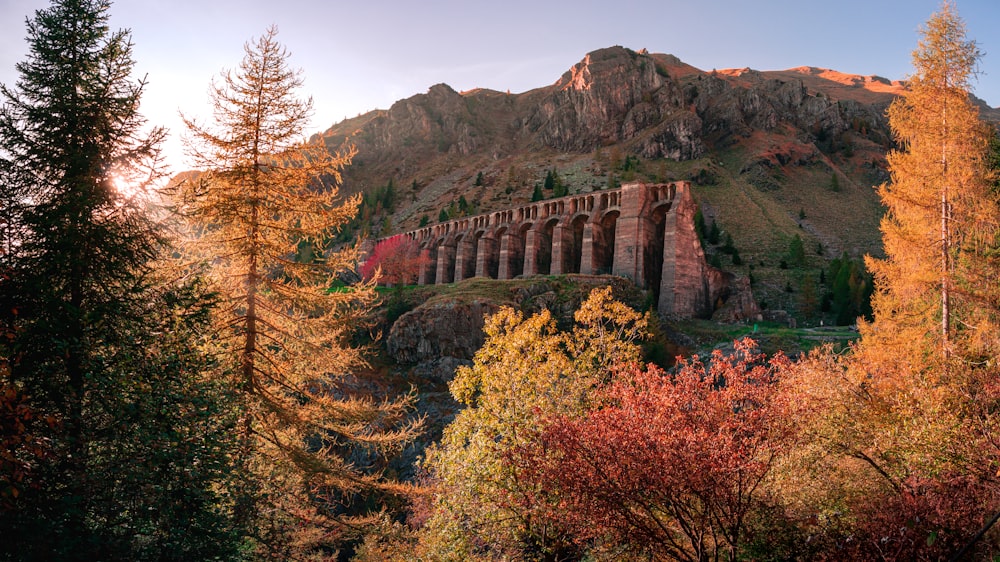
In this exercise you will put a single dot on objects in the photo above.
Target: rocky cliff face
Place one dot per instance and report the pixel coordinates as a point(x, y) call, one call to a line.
point(613, 95)
point(444, 332)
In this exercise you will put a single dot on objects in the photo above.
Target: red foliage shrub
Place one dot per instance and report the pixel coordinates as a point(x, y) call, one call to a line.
point(927, 519)
point(399, 260)
point(672, 462)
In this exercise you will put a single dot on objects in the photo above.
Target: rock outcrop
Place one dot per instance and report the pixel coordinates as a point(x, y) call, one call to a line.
point(443, 333)
point(439, 337)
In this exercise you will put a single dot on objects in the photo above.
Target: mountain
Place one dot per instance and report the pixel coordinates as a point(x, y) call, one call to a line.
point(771, 154)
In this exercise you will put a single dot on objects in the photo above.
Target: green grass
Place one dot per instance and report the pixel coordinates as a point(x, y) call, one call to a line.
point(771, 337)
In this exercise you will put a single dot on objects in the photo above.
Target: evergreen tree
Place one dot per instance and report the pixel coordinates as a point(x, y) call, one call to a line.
point(284, 333)
point(560, 189)
point(728, 246)
point(388, 197)
point(796, 251)
point(537, 195)
point(699, 224)
point(713, 233)
point(737, 260)
point(109, 373)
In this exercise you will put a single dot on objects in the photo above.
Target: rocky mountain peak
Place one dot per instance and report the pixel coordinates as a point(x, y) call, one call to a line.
point(759, 129)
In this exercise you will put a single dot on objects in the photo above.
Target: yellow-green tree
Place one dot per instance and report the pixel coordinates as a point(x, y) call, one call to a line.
point(263, 193)
point(941, 217)
point(526, 370)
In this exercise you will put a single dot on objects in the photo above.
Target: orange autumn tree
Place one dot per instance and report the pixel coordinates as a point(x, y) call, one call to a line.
point(285, 336)
point(941, 214)
point(901, 453)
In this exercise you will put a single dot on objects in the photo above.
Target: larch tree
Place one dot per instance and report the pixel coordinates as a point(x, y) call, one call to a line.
point(906, 425)
point(120, 450)
point(285, 324)
point(941, 216)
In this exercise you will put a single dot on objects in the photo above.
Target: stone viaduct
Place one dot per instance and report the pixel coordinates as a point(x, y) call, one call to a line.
point(644, 232)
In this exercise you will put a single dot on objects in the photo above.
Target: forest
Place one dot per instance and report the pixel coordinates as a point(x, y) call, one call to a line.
point(180, 360)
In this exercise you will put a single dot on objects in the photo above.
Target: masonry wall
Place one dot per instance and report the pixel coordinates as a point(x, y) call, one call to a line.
point(643, 232)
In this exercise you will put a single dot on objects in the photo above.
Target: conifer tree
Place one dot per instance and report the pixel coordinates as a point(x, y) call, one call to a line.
point(95, 345)
point(941, 216)
point(264, 192)
point(906, 424)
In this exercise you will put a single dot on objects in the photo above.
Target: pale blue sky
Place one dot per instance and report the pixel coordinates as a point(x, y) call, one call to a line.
point(366, 54)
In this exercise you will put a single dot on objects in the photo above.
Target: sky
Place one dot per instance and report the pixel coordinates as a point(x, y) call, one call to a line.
point(364, 55)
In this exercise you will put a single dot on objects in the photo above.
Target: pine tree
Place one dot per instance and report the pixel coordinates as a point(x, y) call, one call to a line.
point(713, 233)
point(941, 217)
point(108, 372)
point(286, 335)
point(796, 251)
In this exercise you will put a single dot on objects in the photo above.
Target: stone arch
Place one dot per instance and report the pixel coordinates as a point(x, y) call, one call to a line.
point(576, 236)
point(603, 243)
point(528, 264)
point(465, 256)
point(511, 252)
point(544, 237)
point(487, 254)
point(653, 252)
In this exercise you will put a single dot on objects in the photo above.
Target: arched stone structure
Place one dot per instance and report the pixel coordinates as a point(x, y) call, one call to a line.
point(644, 232)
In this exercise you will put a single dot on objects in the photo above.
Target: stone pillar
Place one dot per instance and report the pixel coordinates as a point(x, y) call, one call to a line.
point(633, 233)
point(562, 249)
point(683, 283)
point(587, 251)
point(506, 256)
point(445, 263)
point(511, 256)
point(486, 257)
point(532, 239)
point(465, 266)
point(428, 266)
